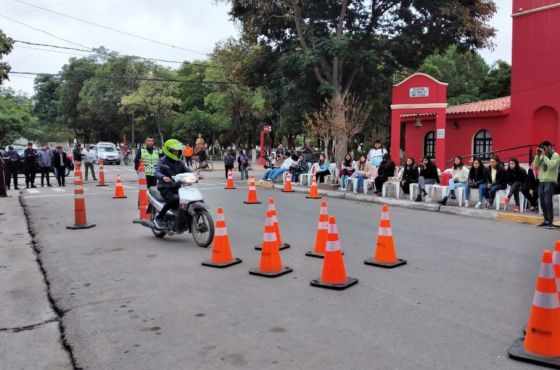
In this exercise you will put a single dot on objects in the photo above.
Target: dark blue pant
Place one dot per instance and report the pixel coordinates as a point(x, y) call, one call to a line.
point(546, 191)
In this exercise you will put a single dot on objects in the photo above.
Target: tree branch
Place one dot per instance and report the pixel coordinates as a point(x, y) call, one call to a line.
point(336, 71)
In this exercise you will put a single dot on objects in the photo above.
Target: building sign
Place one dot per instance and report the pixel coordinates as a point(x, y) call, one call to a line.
point(440, 133)
point(267, 128)
point(419, 92)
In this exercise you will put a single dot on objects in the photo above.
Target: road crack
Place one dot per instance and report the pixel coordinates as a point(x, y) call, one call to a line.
point(29, 327)
point(58, 310)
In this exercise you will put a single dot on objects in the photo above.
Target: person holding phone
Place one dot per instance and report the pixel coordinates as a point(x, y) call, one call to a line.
point(547, 161)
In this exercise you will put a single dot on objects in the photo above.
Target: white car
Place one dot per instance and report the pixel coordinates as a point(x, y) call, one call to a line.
point(107, 152)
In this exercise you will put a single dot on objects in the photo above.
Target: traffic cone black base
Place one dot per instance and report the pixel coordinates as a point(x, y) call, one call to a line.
point(230, 188)
point(120, 197)
point(316, 255)
point(102, 185)
point(251, 202)
point(517, 352)
point(209, 263)
point(373, 262)
point(308, 197)
point(291, 191)
point(79, 227)
point(284, 271)
point(347, 284)
point(282, 247)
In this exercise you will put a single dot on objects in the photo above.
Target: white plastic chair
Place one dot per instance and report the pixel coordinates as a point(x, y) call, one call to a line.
point(413, 190)
point(307, 176)
point(501, 194)
point(393, 184)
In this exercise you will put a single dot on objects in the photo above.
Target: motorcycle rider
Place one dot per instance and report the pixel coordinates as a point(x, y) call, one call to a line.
point(169, 189)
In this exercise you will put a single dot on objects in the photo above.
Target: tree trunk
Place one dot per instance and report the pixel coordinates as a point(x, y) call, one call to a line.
point(159, 129)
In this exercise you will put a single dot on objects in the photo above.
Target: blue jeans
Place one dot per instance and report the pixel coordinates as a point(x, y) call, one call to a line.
point(454, 185)
point(267, 173)
point(481, 191)
point(275, 173)
point(546, 192)
point(492, 190)
point(360, 183)
point(344, 181)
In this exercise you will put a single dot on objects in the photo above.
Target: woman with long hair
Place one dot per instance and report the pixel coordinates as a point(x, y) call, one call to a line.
point(362, 171)
point(410, 175)
point(459, 179)
point(428, 176)
point(477, 180)
point(346, 170)
point(386, 170)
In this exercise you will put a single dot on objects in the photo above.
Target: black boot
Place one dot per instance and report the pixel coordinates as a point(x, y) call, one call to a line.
point(453, 194)
point(418, 198)
point(443, 202)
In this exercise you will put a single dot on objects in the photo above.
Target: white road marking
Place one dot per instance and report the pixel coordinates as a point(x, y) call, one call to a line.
point(33, 191)
point(60, 190)
point(129, 187)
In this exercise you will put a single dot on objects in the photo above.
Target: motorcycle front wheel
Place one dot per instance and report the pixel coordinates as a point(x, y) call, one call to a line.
point(202, 228)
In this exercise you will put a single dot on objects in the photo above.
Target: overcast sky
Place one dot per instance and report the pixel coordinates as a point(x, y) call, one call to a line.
point(195, 25)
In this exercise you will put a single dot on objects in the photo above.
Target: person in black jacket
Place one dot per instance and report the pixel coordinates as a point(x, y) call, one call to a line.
point(428, 176)
point(516, 178)
point(478, 176)
point(60, 161)
point(386, 169)
point(496, 180)
point(410, 175)
point(30, 165)
point(11, 160)
point(77, 155)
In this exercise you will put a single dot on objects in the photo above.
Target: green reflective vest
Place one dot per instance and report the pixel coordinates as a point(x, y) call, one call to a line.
point(149, 161)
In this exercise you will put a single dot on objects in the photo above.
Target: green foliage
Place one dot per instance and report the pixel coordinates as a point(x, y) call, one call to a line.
point(6, 45)
point(15, 118)
point(498, 81)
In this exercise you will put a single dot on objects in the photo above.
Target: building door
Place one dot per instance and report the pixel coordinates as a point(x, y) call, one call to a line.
point(545, 126)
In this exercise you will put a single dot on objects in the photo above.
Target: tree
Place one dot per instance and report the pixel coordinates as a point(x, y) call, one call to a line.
point(6, 45)
point(345, 40)
point(498, 81)
point(46, 102)
point(15, 118)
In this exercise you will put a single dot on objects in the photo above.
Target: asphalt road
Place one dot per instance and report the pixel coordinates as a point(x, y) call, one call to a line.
point(132, 301)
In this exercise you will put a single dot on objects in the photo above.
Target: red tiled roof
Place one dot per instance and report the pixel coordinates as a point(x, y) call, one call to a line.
point(482, 106)
point(492, 105)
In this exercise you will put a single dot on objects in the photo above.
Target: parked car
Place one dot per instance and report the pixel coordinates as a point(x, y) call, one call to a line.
point(108, 153)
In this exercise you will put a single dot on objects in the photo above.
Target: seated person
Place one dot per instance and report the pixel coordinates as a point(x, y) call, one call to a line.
point(428, 176)
point(272, 174)
point(168, 188)
point(532, 186)
point(322, 168)
point(362, 170)
point(496, 180)
point(298, 167)
point(459, 179)
point(346, 170)
point(516, 178)
point(386, 169)
point(410, 175)
point(478, 175)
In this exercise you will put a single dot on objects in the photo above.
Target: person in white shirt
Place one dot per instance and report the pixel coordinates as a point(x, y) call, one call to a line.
point(459, 179)
point(89, 157)
point(375, 155)
point(272, 175)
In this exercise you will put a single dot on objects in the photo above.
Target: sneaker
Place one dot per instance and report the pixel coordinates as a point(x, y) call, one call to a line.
point(489, 204)
point(478, 205)
point(33, 186)
point(453, 196)
point(543, 224)
point(467, 204)
point(550, 227)
point(418, 198)
point(516, 209)
point(505, 201)
point(160, 223)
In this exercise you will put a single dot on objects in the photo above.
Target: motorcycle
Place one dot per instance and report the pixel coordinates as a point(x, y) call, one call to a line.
point(192, 215)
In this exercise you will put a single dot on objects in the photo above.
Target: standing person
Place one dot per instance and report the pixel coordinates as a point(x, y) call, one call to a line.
point(46, 157)
point(89, 157)
point(322, 168)
point(375, 155)
point(77, 155)
point(243, 162)
point(188, 154)
point(386, 169)
point(410, 175)
point(60, 161)
point(229, 161)
point(496, 180)
point(428, 176)
point(459, 179)
point(346, 170)
point(150, 157)
point(547, 162)
point(30, 165)
point(11, 158)
point(516, 178)
point(307, 152)
point(478, 175)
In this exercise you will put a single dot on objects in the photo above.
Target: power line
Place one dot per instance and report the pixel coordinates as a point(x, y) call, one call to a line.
point(49, 51)
point(111, 28)
point(130, 78)
point(50, 6)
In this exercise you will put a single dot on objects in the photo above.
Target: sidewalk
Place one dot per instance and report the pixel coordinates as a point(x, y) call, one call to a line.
point(29, 328)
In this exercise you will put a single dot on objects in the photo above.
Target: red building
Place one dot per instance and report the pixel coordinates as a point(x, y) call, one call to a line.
point(423, 124)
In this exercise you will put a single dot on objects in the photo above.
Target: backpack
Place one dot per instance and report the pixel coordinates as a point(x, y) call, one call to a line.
point(229, 160)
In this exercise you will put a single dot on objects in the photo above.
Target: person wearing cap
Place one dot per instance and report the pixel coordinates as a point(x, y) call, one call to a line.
point(11, 158)
point(77, 155)
point(547, 162)
point(30, 157)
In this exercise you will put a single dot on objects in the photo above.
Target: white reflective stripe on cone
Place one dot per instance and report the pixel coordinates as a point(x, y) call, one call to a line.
point(269, 221)
point(385, 231)
point(547, 271)
point(78, 196)
point(546, 300)
point(557, 283)
point(269, 237)
point(556, 258)
point(385, 215)
point(323, 225)
point(333, 246)
point(78, 187)
point(221, 231)
point(274, 219)
point(220, 217)
point(141, 175)
point(323, 211)
point(333, 229)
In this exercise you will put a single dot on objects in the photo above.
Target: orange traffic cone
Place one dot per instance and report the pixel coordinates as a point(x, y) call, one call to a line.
point(385, 252)
point(229, 182)
point(288, 184)
point(252, 194)
point(334, 273)
point(541, 343)
point(143, 193)
point(313, 193)
point(221, 250)
point(80, 220)
point(271, 263)
point(322, 232)
point(119, 190)
point(272, 212)
point(101, 174)
point(556, 262)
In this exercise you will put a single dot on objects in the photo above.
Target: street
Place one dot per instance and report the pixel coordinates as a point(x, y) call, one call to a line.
point(133, 301)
